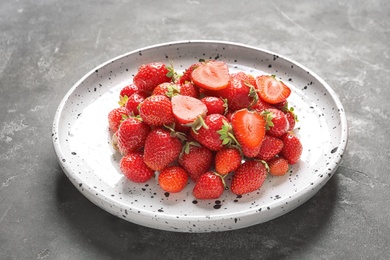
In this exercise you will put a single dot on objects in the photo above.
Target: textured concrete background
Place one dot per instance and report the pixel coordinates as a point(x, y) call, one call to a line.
point(47, 45)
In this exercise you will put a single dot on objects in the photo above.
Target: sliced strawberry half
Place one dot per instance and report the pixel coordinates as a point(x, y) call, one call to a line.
point(188, 111)
point(249, 129)
point(272, 90)
point(211, 75)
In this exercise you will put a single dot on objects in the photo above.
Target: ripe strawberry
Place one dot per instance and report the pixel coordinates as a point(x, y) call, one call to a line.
point(115, 117)
point(261, 105)
point(292, 119)
point(208, 186)
point(189, 89)
point(292, 149)
point(133, 167)
point(249, 177)
point(128, 90)
point(277, 123)
point(272, 90)
point(151, 74)
point(188, 111)
point(173, 179)
point(278, 166)
point(241, 92)
point(133, 102)
point(166, 89)
point(211, 75)
point(249, 130)
point(186, 77)
point(227, 160)
point(156, 111)
point(131, 135)
point(270, 147)
point(209, 137)
point(196, 160)
point(161, 148)
point(214, 105)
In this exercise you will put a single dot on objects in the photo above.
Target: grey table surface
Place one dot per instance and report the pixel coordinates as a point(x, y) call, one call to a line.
point(48, 45)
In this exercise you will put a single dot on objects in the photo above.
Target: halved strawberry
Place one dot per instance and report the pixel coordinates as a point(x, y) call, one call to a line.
point(211, 75)
point(188, 111)
point(272, 90)
point(249, 130)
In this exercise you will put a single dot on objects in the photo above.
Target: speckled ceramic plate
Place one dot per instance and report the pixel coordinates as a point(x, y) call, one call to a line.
point(82, 142)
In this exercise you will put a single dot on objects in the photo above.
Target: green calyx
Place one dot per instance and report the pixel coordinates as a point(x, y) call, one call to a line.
point(268, 116)
point(198, 124)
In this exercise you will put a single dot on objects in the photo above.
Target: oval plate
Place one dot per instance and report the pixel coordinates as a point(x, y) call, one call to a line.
point(82, 142)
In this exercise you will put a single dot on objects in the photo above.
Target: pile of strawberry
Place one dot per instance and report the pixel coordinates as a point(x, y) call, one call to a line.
point(204, 125)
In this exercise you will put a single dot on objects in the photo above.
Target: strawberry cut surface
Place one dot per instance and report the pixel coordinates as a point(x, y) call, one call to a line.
point(187, 109)
point(211, 75)
point(272, 90)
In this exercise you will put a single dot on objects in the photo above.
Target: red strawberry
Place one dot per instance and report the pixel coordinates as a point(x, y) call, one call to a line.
point(227, 160)
point(188, 111)
point(161, 148)
point(151, 74)
point(272, 90)
point(196, 160)
point(115, 117)
point(241, 92)
point(278, 166)
point(249, 130)
point(211, 75)
point(133, 167)
point(292, 149)
point(189, 89)
point(186, 77)
point(214, 105)
point(209, 136)
point(208, 186)
point(156, 111)
point(166, 89)
point(131, 135)
point(261, 105)
point(289, 112)
point(291, 118)
point(128, 90)
point(133, 102)
point(270, 147)
point(173, 179)
point(277, 123)
point(249, 177)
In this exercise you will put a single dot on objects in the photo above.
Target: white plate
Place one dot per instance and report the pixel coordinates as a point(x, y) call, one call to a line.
point(82, 142)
